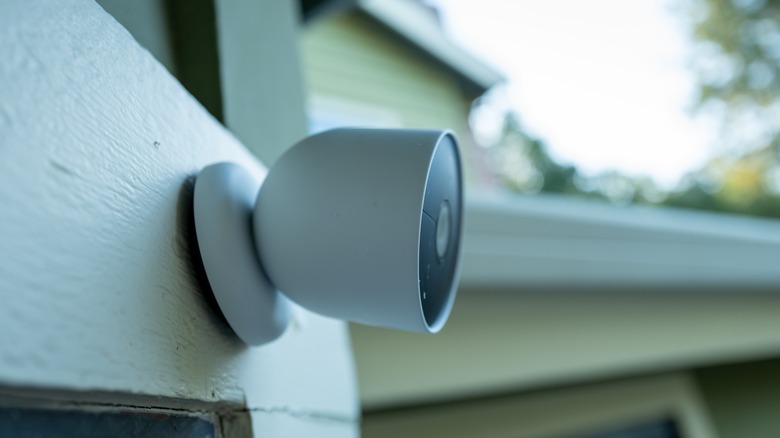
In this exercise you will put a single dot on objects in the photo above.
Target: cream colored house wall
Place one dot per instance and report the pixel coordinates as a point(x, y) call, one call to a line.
point(553, 294)
point(351, 59)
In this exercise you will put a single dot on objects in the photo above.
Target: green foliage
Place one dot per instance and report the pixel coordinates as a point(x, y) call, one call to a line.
point(738, 51)
point(696, 197)
point(524, 165)
point(763, 204)
point(557, 178)
point(736, 60)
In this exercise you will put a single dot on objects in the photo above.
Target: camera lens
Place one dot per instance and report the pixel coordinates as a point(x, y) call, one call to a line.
point(443, 230)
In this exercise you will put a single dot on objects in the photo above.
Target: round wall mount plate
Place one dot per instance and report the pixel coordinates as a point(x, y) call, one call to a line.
point(224, 200)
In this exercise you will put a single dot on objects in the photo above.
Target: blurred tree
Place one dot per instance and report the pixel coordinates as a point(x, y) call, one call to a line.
point(523, 164)
point(746, 183)
point(736, 59)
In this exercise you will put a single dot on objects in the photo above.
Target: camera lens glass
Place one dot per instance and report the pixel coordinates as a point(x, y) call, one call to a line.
point(443, 230)
point(440, 229)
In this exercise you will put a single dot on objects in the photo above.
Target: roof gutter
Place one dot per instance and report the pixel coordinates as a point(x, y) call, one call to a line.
point(555, 243)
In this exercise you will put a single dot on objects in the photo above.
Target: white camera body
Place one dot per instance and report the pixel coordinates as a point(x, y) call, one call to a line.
point(358, 224)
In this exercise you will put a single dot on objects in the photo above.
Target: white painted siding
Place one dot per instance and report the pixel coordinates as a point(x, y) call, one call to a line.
point(97, 290)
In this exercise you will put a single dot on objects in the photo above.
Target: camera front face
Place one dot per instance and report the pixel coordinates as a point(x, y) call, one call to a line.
point(358, 224)
point(440, 232)
point(364, 225)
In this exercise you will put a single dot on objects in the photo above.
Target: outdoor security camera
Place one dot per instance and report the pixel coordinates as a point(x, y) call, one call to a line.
point(357, 224)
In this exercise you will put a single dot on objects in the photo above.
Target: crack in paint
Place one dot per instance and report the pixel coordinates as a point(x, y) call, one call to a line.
point(310, 415)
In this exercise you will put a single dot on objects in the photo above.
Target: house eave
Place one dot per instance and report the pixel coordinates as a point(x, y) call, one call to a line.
point(420, 28)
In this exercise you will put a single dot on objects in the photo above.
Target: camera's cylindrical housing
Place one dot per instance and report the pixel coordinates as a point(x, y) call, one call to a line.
point(365, 225)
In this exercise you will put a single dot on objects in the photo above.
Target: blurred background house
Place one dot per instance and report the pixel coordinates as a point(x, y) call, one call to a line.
point(575, 318)
point(583, 328)
point(390, 64)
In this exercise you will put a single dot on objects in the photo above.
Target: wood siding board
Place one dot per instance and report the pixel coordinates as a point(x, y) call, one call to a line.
point(381, 66)
point(353, 57)
point(97, 145)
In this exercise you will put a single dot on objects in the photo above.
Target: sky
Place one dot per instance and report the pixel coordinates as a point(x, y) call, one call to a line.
point(603, 82)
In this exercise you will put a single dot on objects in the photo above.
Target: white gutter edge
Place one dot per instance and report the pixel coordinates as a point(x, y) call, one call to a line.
point(546, 243)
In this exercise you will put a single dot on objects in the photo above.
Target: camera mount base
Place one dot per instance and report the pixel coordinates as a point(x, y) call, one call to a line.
point(223, 204)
